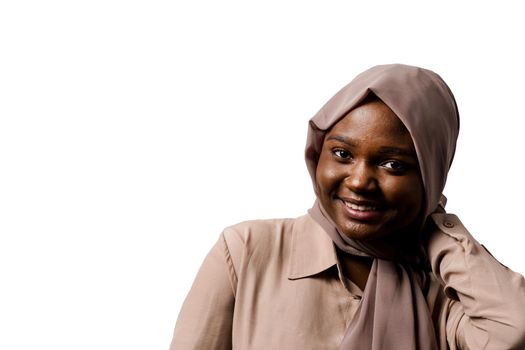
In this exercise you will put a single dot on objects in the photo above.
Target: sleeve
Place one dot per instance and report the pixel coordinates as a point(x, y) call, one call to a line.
point(206, 316)
point(487, 300)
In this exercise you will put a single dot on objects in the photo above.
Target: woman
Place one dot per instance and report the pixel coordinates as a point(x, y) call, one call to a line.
point(376, 263)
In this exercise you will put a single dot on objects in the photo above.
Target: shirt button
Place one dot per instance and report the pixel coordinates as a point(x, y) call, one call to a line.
point(448, 224)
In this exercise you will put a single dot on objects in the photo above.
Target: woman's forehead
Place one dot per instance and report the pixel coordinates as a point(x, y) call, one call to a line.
point(373, 118)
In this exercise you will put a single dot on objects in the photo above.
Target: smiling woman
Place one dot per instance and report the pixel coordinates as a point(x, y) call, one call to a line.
point(376, 263)
point(367, 176)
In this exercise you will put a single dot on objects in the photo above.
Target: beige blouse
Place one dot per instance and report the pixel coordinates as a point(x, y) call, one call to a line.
point(277, 284)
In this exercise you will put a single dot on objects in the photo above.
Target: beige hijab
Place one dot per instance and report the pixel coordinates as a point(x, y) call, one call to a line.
point(393, 313)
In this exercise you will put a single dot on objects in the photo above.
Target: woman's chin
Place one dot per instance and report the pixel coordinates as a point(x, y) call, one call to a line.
point(364, 232)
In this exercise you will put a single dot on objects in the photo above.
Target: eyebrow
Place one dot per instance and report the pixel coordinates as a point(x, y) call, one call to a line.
point(383, 150)
point(341, 139)
point(397, 151)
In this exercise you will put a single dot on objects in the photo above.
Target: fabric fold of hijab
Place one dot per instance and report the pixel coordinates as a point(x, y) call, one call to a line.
point(393, 313)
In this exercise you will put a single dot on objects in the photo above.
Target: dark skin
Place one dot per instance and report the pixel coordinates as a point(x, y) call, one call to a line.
point(369, 182)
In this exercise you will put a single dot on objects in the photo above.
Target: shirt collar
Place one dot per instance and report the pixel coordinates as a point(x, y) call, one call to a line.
point(312, 250)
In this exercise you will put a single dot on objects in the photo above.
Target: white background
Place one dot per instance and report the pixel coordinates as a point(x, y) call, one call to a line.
point(133, 132)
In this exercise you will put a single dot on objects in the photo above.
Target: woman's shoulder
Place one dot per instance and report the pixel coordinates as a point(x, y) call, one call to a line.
point(260, 239)
point(262, 230)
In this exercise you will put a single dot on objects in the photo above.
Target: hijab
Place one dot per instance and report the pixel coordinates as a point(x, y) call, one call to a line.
point(393, 313)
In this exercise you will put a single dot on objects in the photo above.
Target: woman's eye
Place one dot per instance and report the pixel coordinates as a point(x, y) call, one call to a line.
point(341, 153)
point(394, 165)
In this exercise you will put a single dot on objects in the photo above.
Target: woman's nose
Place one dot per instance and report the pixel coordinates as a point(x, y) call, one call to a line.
point(361, 178)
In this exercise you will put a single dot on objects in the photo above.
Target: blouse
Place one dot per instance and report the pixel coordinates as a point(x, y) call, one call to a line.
point(278, 284)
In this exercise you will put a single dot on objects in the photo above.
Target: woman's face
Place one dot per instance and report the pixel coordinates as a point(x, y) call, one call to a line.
point(368, 177)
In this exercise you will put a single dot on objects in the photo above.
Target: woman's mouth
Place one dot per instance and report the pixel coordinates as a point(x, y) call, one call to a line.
point(361, 211)
point(359, 207)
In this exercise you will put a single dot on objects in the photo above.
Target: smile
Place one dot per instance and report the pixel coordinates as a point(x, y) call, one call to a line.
point(363, 212)
point(360, 207)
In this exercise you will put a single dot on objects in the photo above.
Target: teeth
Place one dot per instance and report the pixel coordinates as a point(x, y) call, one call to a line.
point(360, 207)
